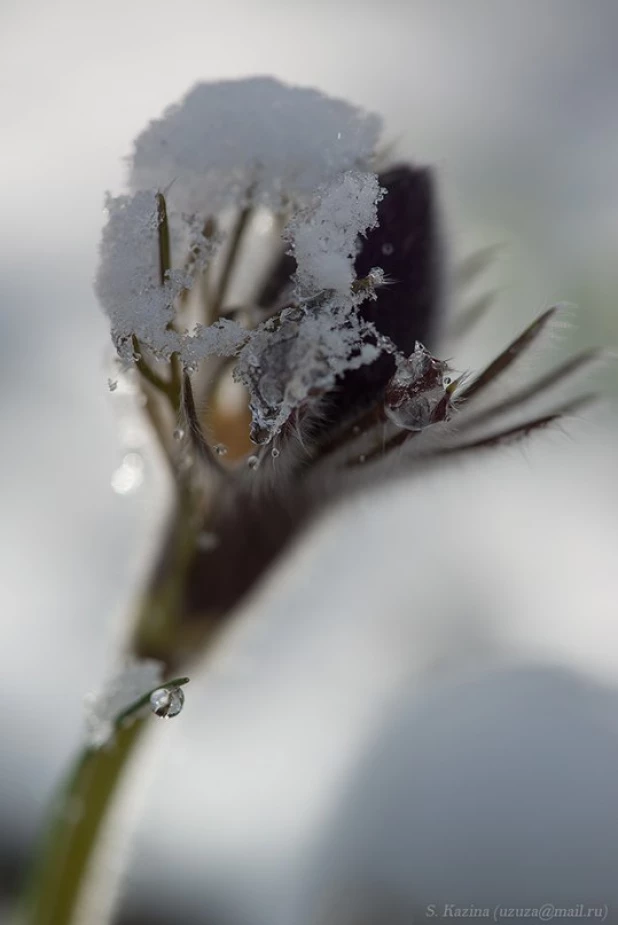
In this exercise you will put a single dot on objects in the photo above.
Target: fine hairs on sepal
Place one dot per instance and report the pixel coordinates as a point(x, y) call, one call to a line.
point(279, 301)
point(334, 353)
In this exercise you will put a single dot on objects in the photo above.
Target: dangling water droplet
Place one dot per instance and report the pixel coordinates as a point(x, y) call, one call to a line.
point(178, 433)
point(275, 453)
point(167, 701)
point(387, 249)
point(220, 449)
point(253, 462)
point(112, 385)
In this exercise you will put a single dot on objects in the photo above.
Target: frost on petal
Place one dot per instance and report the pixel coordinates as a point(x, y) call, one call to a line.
point(324, 237)
point(131, 681)
point(291, 364)
point(224, 338)
point(195, 239)
point(128, 281)
point(255, 138)
point(417, 395)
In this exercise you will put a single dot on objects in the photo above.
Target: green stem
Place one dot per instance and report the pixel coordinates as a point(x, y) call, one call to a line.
point(236, 238)
point(156, 630)
point(198, 440)
point(80, 809)
point(57, 879)
point(149, 374)
point(72, 835)
point(155, 413)
point(165, 253)
point(175, 390)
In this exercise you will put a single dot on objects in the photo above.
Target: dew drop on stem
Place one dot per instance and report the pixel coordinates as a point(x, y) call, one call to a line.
point(167, 701)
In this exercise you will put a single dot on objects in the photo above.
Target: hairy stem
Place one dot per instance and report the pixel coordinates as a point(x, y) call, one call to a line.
point(56, 883)
point(79, 812)
point(81, 806)
point(198, 440)
point(149, 374)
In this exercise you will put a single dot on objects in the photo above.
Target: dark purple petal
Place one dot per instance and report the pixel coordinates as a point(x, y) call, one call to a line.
point(406, 245)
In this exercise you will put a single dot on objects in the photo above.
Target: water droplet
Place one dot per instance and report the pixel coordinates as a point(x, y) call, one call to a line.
point(167, 701)
point(178, 433)
point(356, 430)
point(362, 458)
point(339, 136)
point(129, 475)
point(447, 380)
point(275, 453)
point(253, 462)
point(220, 449)
point(387, 249)
point(415, 397)
point(112, 385)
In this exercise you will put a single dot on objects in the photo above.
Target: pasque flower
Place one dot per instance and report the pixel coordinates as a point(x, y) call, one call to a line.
point(280, 295)
point(336, 345)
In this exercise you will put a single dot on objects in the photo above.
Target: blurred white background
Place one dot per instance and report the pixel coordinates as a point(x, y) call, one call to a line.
point(474, 615)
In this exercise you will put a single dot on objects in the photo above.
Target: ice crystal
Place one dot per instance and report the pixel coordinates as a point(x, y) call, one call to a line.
point(196, 239)
point(231, 143)
point(417, 395)
point(256, 139)
point(324, 237)
point(299, 358)
point(327, 342)
point(223, 338)
point(126, 685)
point(128, 281)
point(139, 299)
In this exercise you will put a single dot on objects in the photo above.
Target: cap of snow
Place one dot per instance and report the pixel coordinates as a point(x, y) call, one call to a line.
point(255, 139)
point(324, 237)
